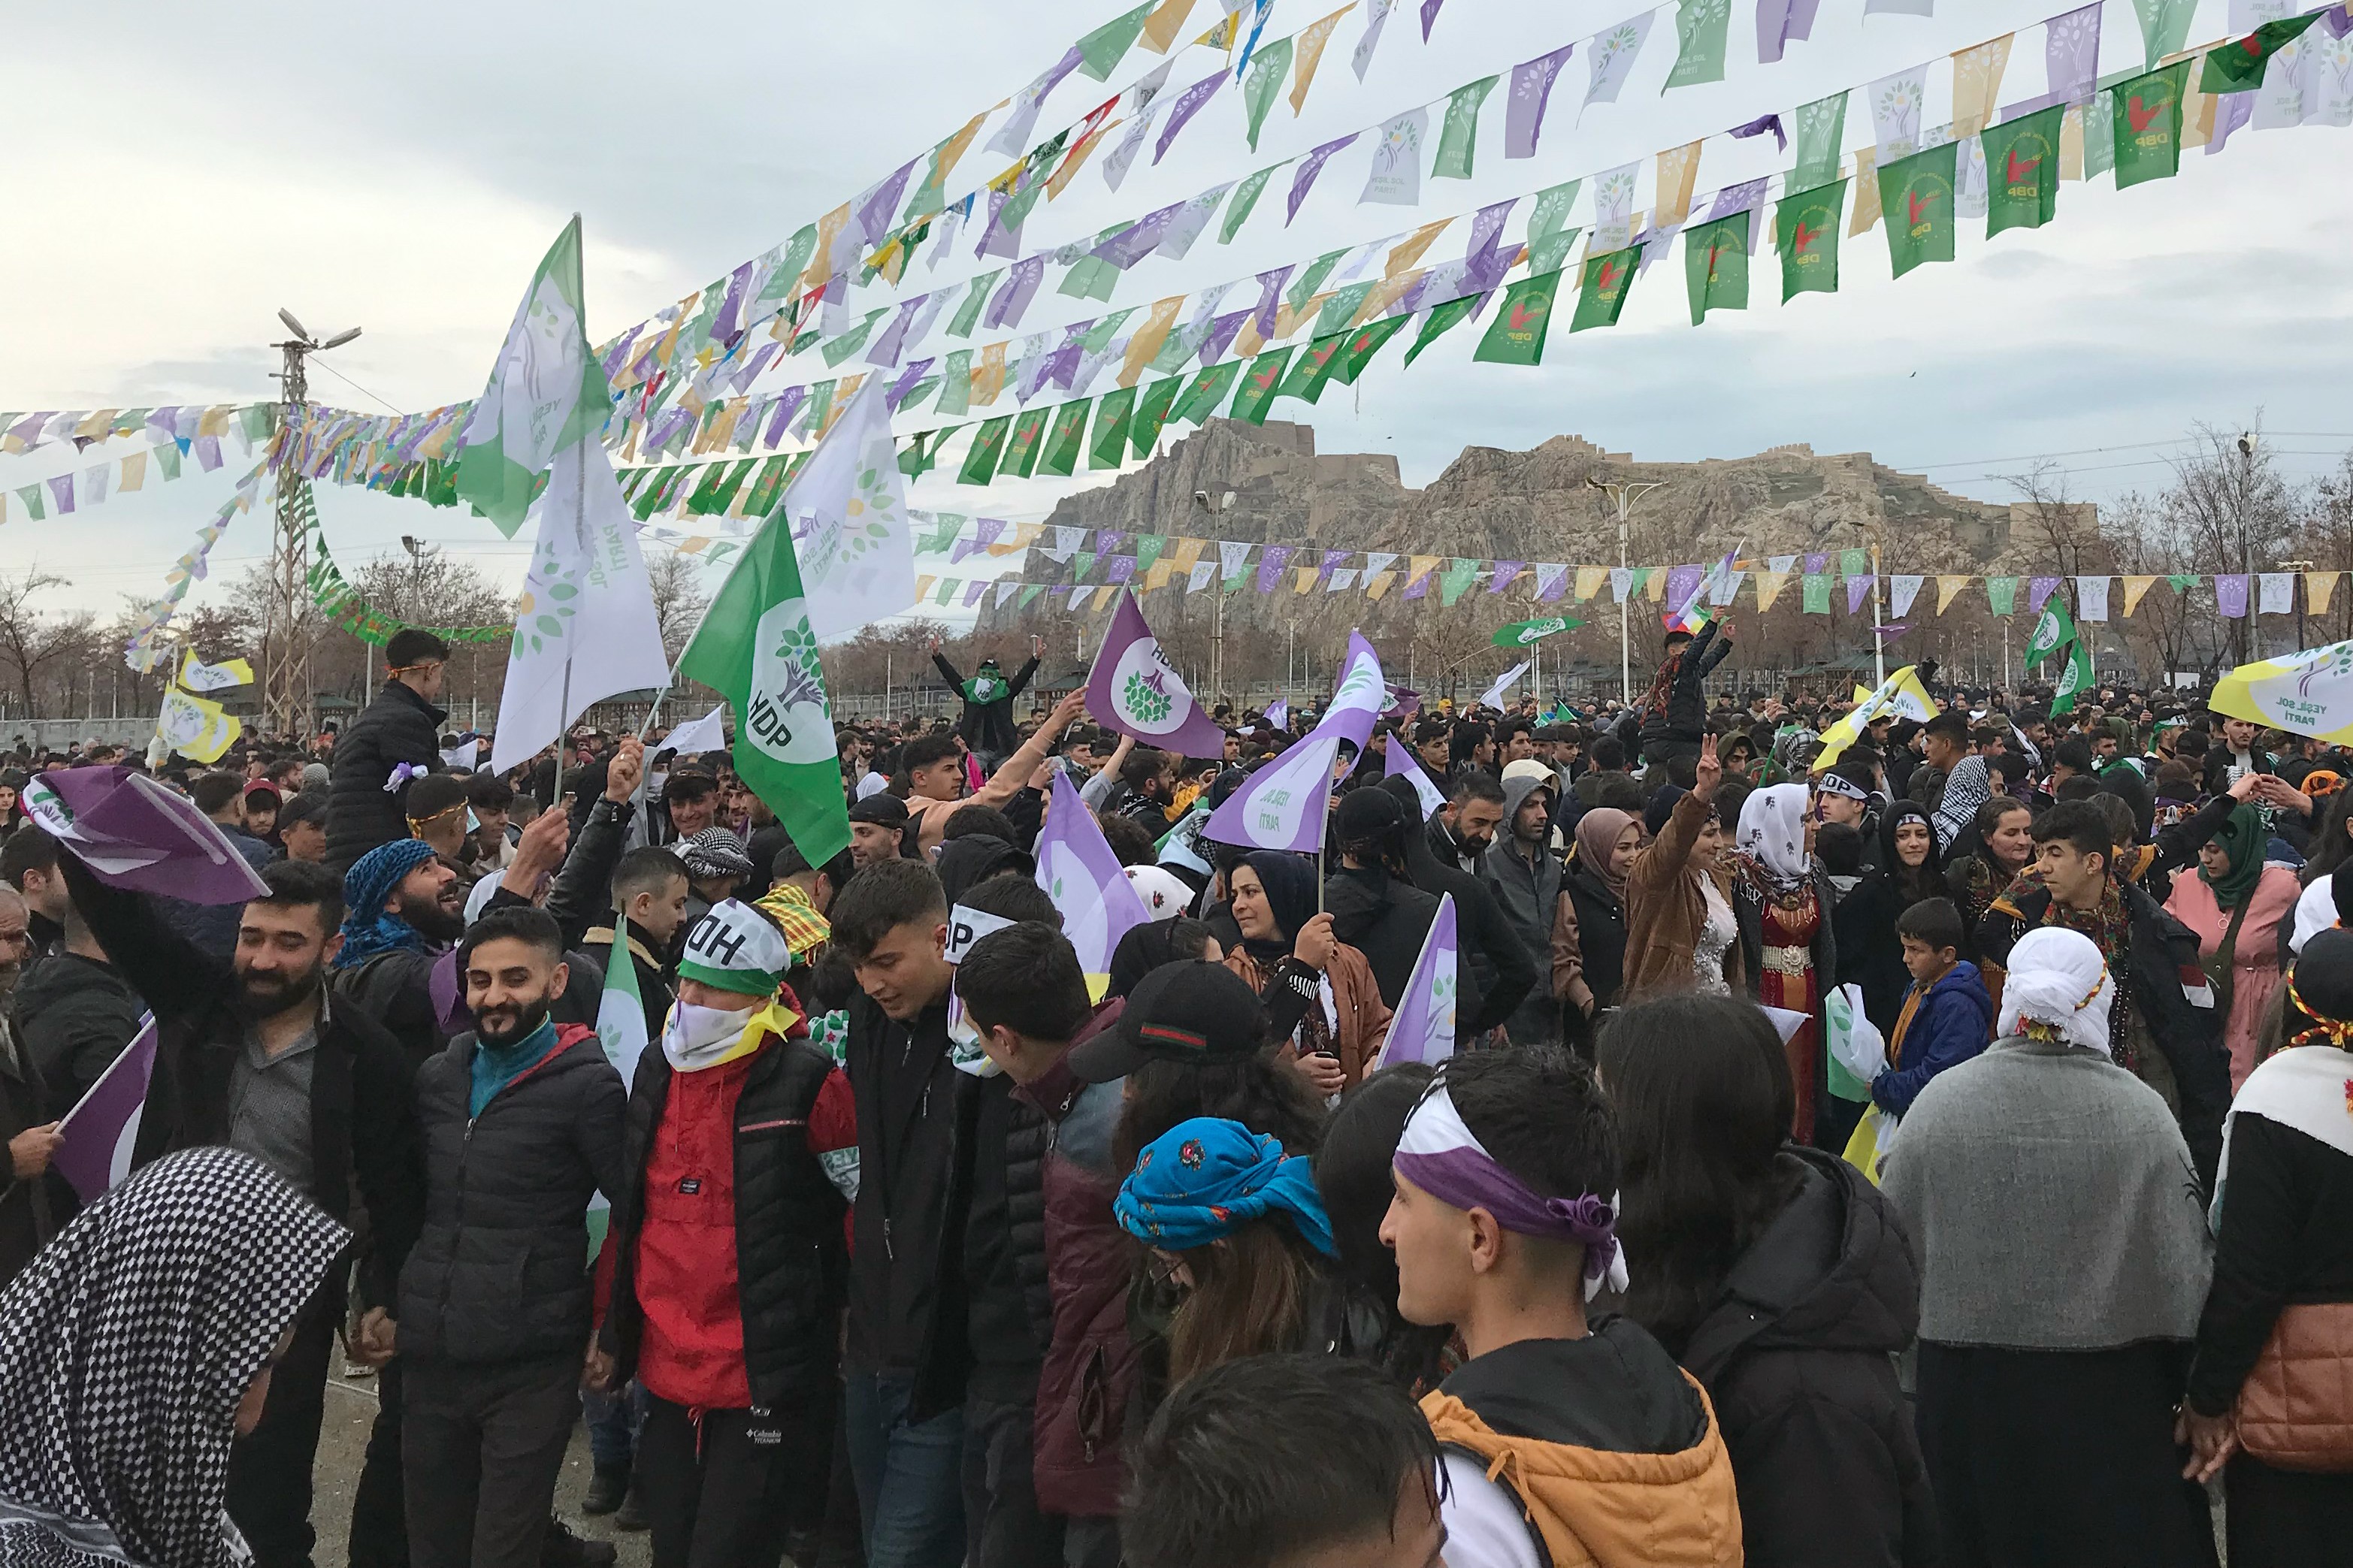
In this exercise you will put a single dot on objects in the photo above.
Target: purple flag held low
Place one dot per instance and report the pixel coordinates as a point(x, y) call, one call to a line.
point(1778, 21)
point(1284, 805)
point(2037, 590)
point(102, 1129)
point(1186, 105)
point(134, 833)
point(1277, 714)
point(2231, 595)
point(1523, 111)
point(1423, 1029)
point(1858, 589)
point(1399, 762)
point(1309, 167)
point(1135, 689)
point(1079, 873)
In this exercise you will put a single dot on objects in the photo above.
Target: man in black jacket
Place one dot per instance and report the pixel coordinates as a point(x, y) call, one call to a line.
point(987, 726)
point(263, 1061)
point(907, 1353)
point(1502, 971)
point(1677, 707)
point(522, 1124)
point(367, 804)
point(74, 1010)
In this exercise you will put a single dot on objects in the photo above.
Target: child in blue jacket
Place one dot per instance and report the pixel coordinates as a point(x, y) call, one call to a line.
point(1947, 1015)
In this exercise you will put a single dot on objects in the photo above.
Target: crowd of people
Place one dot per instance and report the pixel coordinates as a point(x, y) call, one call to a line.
point(1911, 1142)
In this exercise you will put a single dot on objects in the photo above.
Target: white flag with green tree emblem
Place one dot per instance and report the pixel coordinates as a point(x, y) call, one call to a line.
point(757, 648)
point(848, 515)
point(546, 393)
point(584, 627)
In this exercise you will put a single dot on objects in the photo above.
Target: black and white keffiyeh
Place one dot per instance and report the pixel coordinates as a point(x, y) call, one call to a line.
point(125, 1346)
point(1968, 786)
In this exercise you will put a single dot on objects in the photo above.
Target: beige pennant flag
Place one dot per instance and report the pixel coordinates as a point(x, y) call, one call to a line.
point(1977, 77)
point(953, 149)
point(722, 429)
point(988, 375)
point(213, 421)
point(135, 471)
point(1417, 568)
point(1160, 28)
point(1384, 294)
point(829, 229)
point(1246, 342)
point(1158, 576)
point(1866, 193)
point(1590, 580)
point(1409, 250)
point(2319, 587)
point(1307, 53)
point(2134, 588)
point(2071, 143)
point(1655, 582)
point(2197, 109)
point(97, 426)
point(1949, 588)
point(842, 394)
point(924, 588)
point(1188, 550)
point(1306, 582)
point(1769, 584)
point(1678, 168)
point(1148, 337)
point(1023, 536)
point(1379, 585)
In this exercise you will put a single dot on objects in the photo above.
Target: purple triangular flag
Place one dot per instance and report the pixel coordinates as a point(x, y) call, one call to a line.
point(1398, 762)
point(2037, 590)
point(1133, 689)
point(134, 833)
point(1523, 112)
point(1759, 126)
point(1429, 16)
point(1272, 559)
point(1423, 1028)
point(2231, 595)
point(1079, 873)
point(1283, 805)
point(1139, 239)
point(1778, 21)
point(1187, 104)
point(1309, 167)
point(1858, 588)
point(102, 1128)
point(1270, 287)
point(1221, 336)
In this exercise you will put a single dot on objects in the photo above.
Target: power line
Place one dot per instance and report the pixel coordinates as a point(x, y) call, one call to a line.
point(2125, 446)
point(355, 386)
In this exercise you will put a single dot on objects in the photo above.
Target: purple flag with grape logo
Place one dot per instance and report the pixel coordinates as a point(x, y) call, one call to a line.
point(1135, 689)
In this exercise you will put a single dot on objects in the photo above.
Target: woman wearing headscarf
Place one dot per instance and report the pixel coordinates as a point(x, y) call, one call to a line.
point(1319, 992)
point(1869, 953)
point(135, 1349)
point(1680, 932)
point(2235, 903)
point(2063, 1260)
point(1238, 1226)
point(1784, 901)
point(1588, 924)
point(2284, 1285)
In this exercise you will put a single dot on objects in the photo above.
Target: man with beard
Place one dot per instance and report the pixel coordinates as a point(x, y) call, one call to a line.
point(1460, 833)
point(262, 1059)
point(404, 908)
point(522, 1121)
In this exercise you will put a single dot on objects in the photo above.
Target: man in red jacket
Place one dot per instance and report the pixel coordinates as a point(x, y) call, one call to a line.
point(729, 1259)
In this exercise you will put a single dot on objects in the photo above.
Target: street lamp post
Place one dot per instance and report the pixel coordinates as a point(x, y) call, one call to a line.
point(2246, 627)
point(1216, 511)
point(1625, 493)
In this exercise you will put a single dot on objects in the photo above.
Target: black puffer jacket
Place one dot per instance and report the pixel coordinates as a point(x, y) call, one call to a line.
point(1382, 917)
point(792, 1267)
point(500, 1270)
point(74, 1015)
point(1499, 972)
point(1796, 1356)
point(1028, 1136)
point(399, 727)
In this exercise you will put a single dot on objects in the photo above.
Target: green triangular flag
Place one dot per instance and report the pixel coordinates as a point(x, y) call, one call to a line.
point(955, 384)
point(1265, 80)
point(1364, 344)
point(1457, 135)
point(2148, 124)
point(756, 649)
point(1917, 194)
point(1256, 394)
point(1022, 448)
point(1151, 413)
point(1516, 335)
point(1303, 287)
point(1716, 265)
point(1602, 288)
point(1109, 446)
point(836, 349)
point(1820, 132)
point(1068, 438)
point(2074, 679)
point(988, 445)
point(2238, 66)
point(1457, 577)
point(1340, 308)
point(968, 312)
point(1442, 319)
point(1029, 592)
point(1081, 564)
point(2001, 594)
point(1100, 51)
point(2054, 628)
point(1700, 29)
point(1806, 231)
point(1245, 196)
point(1205, 392)
point(1313, 368)
point(2022, 170)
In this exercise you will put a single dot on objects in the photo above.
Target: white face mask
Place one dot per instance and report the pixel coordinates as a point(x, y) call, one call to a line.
point(698, 1037)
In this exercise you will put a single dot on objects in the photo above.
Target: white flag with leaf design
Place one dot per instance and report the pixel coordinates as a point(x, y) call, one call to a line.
point(848, 516)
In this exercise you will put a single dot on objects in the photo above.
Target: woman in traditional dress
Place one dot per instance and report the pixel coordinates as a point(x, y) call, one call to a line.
point(1784, 900)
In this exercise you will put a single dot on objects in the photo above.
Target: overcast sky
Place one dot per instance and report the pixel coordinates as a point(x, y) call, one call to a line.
point(175, 178)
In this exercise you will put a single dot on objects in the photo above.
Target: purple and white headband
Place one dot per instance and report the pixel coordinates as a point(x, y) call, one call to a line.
point(1441, 1154)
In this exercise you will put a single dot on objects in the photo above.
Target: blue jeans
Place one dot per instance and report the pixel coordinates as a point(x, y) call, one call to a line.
point(614, 1420)
point(909, 1475)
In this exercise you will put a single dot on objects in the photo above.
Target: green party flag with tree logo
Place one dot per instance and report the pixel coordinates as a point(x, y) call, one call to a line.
point(1716, 265)
point(1265, 80)
point(1917, 196)
point(1205, 392)
point(1440, 320)
point(2001, 594)
point(1701, 27)
point(1364, 344)
point(988, 445)
point(1516, 336)
point(1806, 228)
point(1109, 446)
point(546, 393)
point(1602, 288)
point(2239, 65)
point(1022, 448)
point(1068, 438)
point(2022, 170)
point(1245, 197)
point(2075, 680)
point(2148, 124)
point(1311, 369)
point(756, 649)
point(2054, 628)
point(1151, 414)
point(1458, 135)
point(1817, 588)
point(1256, 392)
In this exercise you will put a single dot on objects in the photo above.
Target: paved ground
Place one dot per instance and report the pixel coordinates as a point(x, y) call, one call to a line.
point(342, 1444)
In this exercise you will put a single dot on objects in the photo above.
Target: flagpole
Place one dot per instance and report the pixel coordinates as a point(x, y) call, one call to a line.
point(1878, 586)
point(579, 543)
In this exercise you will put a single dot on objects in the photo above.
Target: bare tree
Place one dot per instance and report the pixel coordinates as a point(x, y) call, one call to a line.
point(33, 642)
point(678, 598)
point(2233, 508)
point(2068, 529)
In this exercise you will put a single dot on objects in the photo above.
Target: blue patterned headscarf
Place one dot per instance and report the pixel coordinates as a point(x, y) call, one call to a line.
point(368, 930)
point(1202, 1180)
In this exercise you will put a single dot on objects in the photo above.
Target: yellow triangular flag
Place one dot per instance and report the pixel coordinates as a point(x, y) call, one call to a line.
point(1948, 587)
point(1308, 53)
point(2319, 587)
point(1590, 580)
point(1866, 192)
point(1160, 27)
point(1655, 582)
point(1977, 77)
point(1379, 585)
point(1306, 580)
point(135, 471)
point(1149, 337)
point(2134, 588)
point(1678, 168)
point(1769, 584)
point(1409, 250)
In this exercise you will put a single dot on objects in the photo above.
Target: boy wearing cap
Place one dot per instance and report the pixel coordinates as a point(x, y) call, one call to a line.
point(728, 1259)
point(1564, 1440)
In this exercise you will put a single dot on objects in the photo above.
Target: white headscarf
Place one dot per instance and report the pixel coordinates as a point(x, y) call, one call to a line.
point(1773, 835)
point(2058, 982)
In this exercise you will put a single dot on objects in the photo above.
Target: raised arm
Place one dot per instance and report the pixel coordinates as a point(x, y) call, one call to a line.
point(174, 975)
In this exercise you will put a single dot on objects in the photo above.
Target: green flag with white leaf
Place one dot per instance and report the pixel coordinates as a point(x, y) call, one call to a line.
point(546, 393)
point(2053, 629)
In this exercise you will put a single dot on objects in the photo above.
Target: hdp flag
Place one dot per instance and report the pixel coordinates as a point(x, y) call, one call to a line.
point(1284, 804)
point(1079, 873)
point(102, 1128)
point(547, 393)
point(1423, 1028)
point(1135, 689)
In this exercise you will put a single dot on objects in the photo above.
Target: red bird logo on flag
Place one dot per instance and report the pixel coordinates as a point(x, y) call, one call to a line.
point(1915, 205)
point(1804, 238)
point(1528, 311)
point(1608, 278)
point(2144, 115)
point(1266, 383)
point(2019, 168)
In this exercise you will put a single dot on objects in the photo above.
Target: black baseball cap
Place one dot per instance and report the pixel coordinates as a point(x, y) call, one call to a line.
point(1201, 1014)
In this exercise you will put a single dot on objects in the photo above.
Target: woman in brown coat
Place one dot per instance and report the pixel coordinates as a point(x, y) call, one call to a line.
point(1682, 933)
point(1319, 991)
